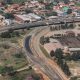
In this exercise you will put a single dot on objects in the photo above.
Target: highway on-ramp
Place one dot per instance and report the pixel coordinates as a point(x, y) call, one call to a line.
point(37, 57)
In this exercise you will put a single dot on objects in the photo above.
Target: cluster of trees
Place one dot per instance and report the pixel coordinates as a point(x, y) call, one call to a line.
point(65, 1)
point(74, 56)
point(9, 16)
point(28, 11)
point(62, 26)
point(58, 56)
point(13, 74)
point(69, 11)
point(44, 40)
point(5, 35)
point(10, 33)
point(49, 6)
point(36, 76)
point(74, 78)
point(56, 1)
point(20, 54)
point(61, 59)
point(67, 26)
point(6, 70)
point(52, 28)
point(41, 1)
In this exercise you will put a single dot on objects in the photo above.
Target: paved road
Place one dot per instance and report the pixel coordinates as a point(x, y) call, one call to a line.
point(40, 60)
point(40, 23)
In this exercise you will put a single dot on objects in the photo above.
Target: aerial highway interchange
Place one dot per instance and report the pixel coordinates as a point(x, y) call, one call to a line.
point(33, 52)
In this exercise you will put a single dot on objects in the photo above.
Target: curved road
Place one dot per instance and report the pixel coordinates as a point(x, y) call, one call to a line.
point(31, 46)
point(37, 57)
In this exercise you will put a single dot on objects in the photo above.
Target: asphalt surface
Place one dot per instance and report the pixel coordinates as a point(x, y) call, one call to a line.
point(47, 69)
point(40, 61)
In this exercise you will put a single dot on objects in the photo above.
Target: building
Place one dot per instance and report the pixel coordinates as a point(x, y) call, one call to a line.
point(34, 16)
point(8, 21)
point(22, 18)
point(68, 41)
point(27, 17)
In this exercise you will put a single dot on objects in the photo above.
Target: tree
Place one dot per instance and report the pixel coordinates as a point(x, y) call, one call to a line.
point(69, 11)
point(71, 25)
point(75, 56)
point(9, 16)
point(58, 53)
point(28, 11)
point(66, 69)
point(1, 12)
point(41, 1)
point(68, 57)
point(64, 66)
point(51, 28)
point(30, 67)
point(56, 1)
point(35, 76)
point(54, 13)
point(15, 34)
point(6, 70)
point(19, 55)
point(60, 62)
point(46, 39)
point(10, 30)
point(66, 1)
point(66, 25)
point(49, 6)
point(42, 40)
point(5, 35)
point(52, 53)
point(74, 78)
point(22, 3)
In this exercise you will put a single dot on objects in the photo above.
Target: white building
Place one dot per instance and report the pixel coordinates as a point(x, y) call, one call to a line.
point(31, 17)
point(34, 16)
point(8, 21)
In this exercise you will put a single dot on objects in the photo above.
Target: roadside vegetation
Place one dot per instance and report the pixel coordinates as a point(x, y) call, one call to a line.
point(66, 62)
point(12, 56)
point(44, 51)
point(59, 59)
